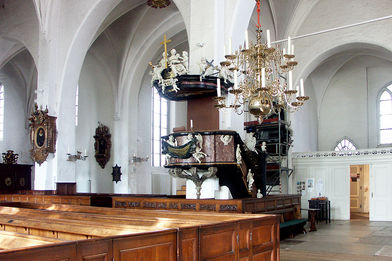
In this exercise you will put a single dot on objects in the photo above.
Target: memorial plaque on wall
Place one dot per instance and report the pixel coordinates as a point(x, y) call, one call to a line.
point(42, 134)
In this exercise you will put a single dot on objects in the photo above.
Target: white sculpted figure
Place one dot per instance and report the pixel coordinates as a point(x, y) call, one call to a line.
point(185, 60)
point(250, 179)
point(206, 68)
point(162, 62)
point(264, 147)
point(250, 142)
point(226, 139)
point(177, 63)
point(226, 74)
point(189, 137)
point(156, 73)
point(172, 141)
point(174, 61)
point(238, 155)
point(198, 155)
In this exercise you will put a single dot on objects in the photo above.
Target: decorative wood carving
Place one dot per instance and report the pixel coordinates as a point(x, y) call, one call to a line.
point(116, 173)
point(102, 144)
point(10, 157)
point(42, 134)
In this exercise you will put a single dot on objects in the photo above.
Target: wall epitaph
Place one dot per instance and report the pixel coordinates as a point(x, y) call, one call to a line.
point(42, 134)
point(102, 144)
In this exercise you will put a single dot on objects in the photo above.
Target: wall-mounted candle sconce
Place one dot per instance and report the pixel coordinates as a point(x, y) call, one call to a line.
point(76, 157)
point(136, 159)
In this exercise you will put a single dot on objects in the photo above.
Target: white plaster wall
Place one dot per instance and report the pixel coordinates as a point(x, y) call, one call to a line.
point(348, 106)
point(95, 104)
point(378, 76)
point(19, 79)
point(16, 135)
point(334, 172)
point(305, 123)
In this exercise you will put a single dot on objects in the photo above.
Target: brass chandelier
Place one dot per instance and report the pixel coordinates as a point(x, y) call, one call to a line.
point(262, 78)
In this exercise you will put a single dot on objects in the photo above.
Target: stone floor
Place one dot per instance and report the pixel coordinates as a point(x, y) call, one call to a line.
point(357, 239)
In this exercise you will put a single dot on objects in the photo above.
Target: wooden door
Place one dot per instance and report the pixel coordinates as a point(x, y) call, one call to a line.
point(380, 192)
point(355, 188)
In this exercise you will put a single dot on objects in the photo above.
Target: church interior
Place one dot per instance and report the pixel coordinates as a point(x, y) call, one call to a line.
point(195, 129)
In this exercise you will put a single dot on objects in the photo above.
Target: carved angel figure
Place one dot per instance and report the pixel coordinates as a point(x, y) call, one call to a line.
point(226, 74)
point(206, 68)
point(199, 155)
point(250, 141)
point(250, 179)
point(226, 139)
point(238, 155)
point(172, 141)
point(185, 60)
point(156, 73)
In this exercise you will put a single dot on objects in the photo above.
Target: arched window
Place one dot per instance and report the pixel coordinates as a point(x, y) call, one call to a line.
point(1, 111)
point(345, 144)
point(160, 121)
point(385, 115)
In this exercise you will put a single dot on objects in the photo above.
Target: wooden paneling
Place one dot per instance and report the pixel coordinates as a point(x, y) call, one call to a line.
point(63, 252)
point(95, 250)
point(47, 199)
point(65, 188)
point(178, 204)
point(153, 247)
point(218, 242)
point(203, 113)
point(189, 242)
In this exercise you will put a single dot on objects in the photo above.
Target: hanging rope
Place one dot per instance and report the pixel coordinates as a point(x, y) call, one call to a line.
point(258, 14)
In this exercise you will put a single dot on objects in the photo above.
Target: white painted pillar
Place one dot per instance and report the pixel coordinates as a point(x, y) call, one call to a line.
point(120, 152)
point(206, 32)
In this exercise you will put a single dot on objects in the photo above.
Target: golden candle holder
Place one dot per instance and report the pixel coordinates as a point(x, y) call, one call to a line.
point(303, 98)
point(235, 91)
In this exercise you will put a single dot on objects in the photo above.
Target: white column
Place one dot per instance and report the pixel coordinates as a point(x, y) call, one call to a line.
point(120, 153)
point(207, 29)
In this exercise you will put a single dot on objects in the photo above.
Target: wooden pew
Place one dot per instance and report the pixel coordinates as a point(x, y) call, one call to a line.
point(13, 240)
point(154, 246)
point(247, 205)
point(194, 237)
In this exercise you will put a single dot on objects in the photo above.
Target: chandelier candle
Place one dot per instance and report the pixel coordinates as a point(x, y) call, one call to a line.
point(235, 80)
point(268, 39)
point(218, 88)
point(288, 45)
point(246, 40)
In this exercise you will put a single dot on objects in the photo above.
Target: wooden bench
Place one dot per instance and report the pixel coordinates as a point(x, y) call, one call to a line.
point(290, 222)
point(13, 240)
point(129, 234)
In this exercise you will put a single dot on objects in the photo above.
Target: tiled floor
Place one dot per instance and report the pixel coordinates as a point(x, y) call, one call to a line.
point(341, 240)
